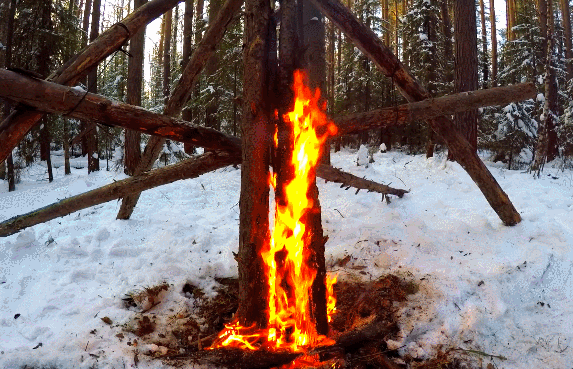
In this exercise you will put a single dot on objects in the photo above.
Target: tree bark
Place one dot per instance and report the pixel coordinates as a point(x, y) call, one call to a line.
point(546, 149)
point(493, 43)
point(190, 168)
point(447, 31)
point(182, 91)
point(566, 12)
point(19, 123)
point(58, 99)
point(466, 65)
point(187, 113)
point(91, 135)
point(167, 23)
point(433, 108)
point(8, 63)
point(132, 147)
point(331, 174)
point(485, 65)
point(254, 198)
point(369, 43)
point(315, 63)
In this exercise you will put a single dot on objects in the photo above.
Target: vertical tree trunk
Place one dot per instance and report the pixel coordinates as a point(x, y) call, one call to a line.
point(66, 145)
point(8, 63)
point(199, 24)
point(211, 118)
point(492, 21)
point(315, 64)
point(542, 10)
point(466, 64)
point(254, 198)
point(168, 18)
point(91, 136)
point(386, 21)
point(43, 62)
point(447, 31)
point(485, 64)
point(546, 149)
point(566, 11)
point(187, 113)
point(134, 88)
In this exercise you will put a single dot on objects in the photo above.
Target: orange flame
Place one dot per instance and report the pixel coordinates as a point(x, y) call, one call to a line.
point(290, 275)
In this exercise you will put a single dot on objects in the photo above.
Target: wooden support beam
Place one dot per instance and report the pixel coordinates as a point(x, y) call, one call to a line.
point(92, 108)
point(190, 168)
point(433, 108)
point(371, 45)
point(21, 121)
point(54, 98)
point(202, 54)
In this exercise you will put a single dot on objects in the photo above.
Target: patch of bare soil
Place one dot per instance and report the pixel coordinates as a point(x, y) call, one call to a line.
point(366, 317)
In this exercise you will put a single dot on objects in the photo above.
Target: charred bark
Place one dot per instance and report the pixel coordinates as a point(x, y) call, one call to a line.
point(371, 45)
point(254, 198)
point(20, 121)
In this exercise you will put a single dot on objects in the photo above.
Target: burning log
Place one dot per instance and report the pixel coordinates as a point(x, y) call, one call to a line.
point(20, 121)
point(190, 168)
point(371, 45)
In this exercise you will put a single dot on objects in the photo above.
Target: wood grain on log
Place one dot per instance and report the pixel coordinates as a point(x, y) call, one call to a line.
point(20, 121)
point(371, 45)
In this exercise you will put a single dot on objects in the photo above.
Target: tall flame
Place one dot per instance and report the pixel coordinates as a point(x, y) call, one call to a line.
point(290, 275)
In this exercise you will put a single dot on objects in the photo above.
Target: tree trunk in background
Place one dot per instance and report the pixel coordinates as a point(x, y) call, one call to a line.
point(8, 63)
point(386, 21)
point(485, 64)
point(492, 21)
point(132, 146)
point(168, 20)
point(66, 145)
point(315, 64)
point(187, 113)
point(546, 149)
point(466, 64)
point(254, 198)
point(91, 136)
point(199, 24)
point(85, 38)
point(566, 12)
point(447, 31)
point(542, 11)
point(211, 118)
point(43, 62)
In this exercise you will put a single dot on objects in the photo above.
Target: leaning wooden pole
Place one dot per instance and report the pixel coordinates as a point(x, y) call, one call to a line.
point(190, 168)
point(203, 52)
point(433, 108)
point(367, 41)
point(50, 97)
point(21, 121)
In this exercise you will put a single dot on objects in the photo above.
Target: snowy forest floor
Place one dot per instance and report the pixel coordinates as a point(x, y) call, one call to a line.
point(502, 296)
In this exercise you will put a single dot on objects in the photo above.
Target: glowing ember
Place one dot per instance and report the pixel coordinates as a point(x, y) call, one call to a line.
point(290, 325)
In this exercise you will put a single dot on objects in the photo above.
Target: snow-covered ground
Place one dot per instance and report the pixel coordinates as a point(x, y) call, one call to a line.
point(504, 291)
